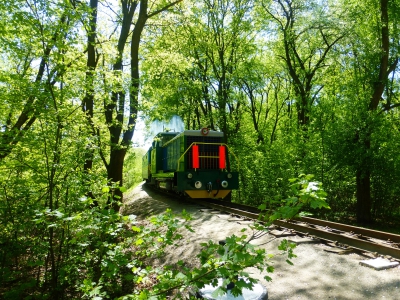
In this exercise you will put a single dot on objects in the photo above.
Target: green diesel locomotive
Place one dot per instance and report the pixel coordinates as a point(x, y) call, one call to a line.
point(193, 162)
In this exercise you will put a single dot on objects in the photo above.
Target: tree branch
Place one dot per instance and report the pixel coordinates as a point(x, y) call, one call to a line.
point(163, 9)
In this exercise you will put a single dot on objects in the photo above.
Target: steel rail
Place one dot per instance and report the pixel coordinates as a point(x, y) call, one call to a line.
point(349, 236)
point(356, 230)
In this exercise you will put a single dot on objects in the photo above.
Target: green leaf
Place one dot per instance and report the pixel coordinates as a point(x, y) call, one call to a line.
point(262, 206)
point(289, 262)
point(180, 276)
point(267, 278)
point(136, 229)
point(218, 292)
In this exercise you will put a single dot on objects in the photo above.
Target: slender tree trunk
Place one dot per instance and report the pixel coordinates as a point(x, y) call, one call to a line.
point(363, 181)
point(88, 101)
point(118, 147)
point(363, 174)
point(363, 194)
point(117, 106)
point(13, 133)
point(115, 174)
point(118, 152)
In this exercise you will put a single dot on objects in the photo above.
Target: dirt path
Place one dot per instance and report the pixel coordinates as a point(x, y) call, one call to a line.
point(316, 274)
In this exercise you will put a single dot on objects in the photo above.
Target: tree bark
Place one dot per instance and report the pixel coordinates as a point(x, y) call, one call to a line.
point(363, 194)
point(363, 173)
point(88, 101)
point(118, 147)
point(115, 175)
point(117, 104)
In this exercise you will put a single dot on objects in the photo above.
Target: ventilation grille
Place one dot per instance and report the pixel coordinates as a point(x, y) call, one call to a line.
point(211, 153)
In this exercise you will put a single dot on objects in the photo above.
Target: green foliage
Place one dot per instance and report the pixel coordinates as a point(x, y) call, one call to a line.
point(291, 99)
point(100, 253)
point(133, 167)
point(227, 260)
point(118, 254)
point(266, 168)
point(303, 194)
point(195, 65)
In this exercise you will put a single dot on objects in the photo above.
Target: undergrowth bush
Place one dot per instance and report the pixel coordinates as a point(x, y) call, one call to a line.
point(96, 253)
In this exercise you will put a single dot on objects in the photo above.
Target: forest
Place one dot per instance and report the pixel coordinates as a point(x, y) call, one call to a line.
point(297, 86)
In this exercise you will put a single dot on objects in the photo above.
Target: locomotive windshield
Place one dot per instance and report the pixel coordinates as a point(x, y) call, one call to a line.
point(163, 137)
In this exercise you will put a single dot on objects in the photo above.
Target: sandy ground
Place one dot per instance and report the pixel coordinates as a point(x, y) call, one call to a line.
point(316, 274)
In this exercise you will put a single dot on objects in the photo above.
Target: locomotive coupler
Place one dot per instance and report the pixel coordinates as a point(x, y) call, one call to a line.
point(209, 187)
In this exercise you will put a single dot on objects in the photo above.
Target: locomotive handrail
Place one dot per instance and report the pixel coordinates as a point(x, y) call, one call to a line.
point(203, 143)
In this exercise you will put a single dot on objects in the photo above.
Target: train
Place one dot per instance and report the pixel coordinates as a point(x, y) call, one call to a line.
point(193, 163)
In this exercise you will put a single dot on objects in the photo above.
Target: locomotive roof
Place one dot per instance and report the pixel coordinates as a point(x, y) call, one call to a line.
point(211, 133)
point(192, 133)
point(173, 133)
point(198, 133)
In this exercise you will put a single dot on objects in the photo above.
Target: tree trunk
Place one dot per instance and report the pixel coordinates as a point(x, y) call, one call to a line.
point(118, 147)
point(363, 194)
point(115, 175)
point(88, 100)
point(12, 134)
point(363, 173)
point(115, 123)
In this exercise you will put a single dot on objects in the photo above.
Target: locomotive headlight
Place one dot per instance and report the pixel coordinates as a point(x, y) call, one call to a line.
point(189, 175)
point(224, 184)
point(229, 175)
point(198, 184)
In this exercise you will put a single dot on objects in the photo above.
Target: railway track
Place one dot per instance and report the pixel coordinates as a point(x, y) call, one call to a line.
point(349, 238)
